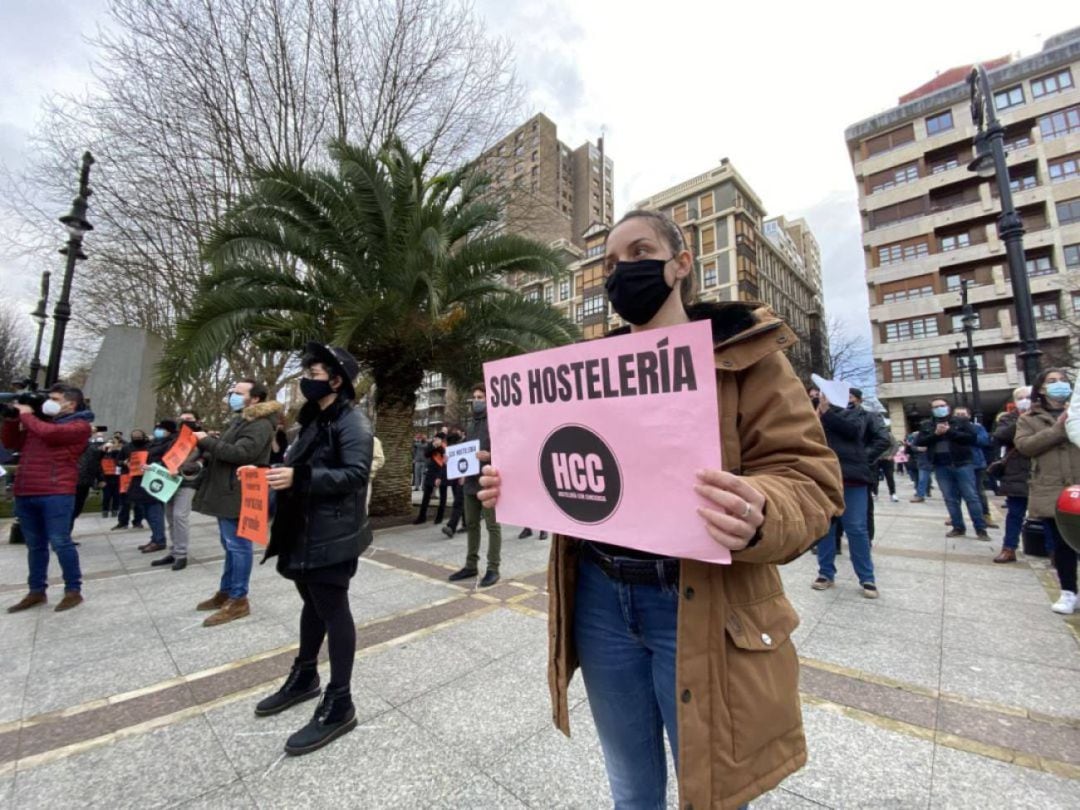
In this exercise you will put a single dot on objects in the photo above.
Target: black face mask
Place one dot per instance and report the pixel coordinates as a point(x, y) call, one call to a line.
point(815, 401)
point(315, 389)
point(140, 442)
point(637, 290)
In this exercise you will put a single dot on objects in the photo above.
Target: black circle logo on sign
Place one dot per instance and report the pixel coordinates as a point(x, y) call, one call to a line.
point(463, 465)
point(156, 485)
point(581, 474)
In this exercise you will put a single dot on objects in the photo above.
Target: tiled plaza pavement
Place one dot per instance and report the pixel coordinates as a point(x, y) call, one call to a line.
point(958, 688)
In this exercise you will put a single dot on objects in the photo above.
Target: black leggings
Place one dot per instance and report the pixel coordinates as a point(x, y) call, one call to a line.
point(326, 613)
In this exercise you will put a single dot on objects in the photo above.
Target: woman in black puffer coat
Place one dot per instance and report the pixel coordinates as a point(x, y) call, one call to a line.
point(319, 532)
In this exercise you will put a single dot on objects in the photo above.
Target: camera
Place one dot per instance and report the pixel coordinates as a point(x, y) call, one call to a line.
point(8, 400)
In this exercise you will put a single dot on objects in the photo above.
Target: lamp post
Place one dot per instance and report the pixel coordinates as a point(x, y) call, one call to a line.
point(990, 162)
point(77, 227)
point(968, 320)
point(961, 365)
point(40, 316)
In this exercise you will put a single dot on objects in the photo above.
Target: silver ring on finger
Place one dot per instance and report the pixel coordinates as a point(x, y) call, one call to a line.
point(746, 511)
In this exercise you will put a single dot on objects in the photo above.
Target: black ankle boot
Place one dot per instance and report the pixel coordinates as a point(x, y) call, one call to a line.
point(302, 684)
point(335, 716)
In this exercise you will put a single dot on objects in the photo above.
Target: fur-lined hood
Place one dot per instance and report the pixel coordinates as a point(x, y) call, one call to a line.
point(261, 410)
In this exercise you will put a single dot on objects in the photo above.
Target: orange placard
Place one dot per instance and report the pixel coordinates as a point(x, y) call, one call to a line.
point(108, 466)
point(254, 505)
point(125, 483)
point(180, 450)
point(137, 462)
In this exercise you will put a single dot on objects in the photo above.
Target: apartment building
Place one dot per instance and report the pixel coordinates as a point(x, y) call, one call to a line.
point(929, 225)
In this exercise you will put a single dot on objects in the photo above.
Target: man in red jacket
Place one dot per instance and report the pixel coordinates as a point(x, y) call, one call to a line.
point(45, 488)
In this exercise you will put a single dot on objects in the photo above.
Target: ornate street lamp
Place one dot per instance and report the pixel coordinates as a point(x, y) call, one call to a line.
point(968, 319)
point(41, 317)
point(77, 227)
point(990, 162)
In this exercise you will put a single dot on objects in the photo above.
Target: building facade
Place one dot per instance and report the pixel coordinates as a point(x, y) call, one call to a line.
point(929, 226)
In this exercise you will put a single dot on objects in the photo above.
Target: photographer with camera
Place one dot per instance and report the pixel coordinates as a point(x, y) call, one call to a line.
point(950, 441)
point(50, 447)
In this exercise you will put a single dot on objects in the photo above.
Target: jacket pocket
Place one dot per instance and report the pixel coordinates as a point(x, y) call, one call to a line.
point(762, 673)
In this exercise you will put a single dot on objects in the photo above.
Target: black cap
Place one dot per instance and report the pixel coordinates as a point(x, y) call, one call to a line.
point(339, 362)
point(857, 393)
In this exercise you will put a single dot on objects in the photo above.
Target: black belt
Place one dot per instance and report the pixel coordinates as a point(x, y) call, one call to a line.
point(631, 571)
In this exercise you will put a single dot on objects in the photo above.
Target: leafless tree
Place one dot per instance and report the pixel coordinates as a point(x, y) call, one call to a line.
point(848, 356)
point(192, 94)
point(14, 347)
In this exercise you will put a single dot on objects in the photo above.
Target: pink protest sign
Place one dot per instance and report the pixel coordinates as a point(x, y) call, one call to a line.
point(602, 440)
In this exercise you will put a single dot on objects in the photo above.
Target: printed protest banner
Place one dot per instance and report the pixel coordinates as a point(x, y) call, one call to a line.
point(125, 483)
point(254, 505)
point(461, 459)
point(137, 462)
point(181, 449)
point(108, 466)
point(602, 440)
point(159, 482)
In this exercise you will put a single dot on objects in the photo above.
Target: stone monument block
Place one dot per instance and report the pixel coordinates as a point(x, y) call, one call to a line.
point(122, 382)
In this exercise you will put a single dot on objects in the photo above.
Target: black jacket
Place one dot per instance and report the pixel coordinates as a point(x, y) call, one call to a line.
point(960, 439)
point(1017, 466)
point(477, 429)
point(857, 441)
point(322, 519)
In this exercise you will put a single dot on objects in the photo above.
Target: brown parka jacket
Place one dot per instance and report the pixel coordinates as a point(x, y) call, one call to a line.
point(737, 673)
point(1055, 461)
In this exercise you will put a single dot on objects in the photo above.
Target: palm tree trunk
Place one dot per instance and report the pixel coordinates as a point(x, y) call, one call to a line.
point(392, 494)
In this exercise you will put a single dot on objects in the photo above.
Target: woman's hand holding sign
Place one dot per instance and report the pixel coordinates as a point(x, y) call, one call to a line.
point(741, 508)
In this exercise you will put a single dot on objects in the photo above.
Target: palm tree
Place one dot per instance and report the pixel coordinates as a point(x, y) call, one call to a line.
point(406, 271)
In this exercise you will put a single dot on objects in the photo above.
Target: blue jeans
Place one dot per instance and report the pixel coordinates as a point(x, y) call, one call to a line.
point(238, 559)
point(625, 637)
point(854, 522)
point(155, 519)
point(46, 521)
point(922, 487)
point(956, 483)
point(1015, 509)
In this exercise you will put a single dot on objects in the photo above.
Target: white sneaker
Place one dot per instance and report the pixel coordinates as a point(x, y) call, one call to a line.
point(1066, 604)
point(894, 499)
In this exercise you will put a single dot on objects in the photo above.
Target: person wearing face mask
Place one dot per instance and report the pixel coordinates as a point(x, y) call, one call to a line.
point(132, 461)
point(1012, 470)
point(1055, 464)
point(45, 486)
point(950, 442)
point(477, 430)
point(178, 509)
point(318, 535)
point(245, 441)
point(705, 653)
point(434, 476)
point(154, 510)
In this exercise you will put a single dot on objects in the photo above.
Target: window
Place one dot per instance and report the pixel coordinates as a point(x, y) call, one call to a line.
point(1060, 123)
point(890, 214)
point(680, 213)
point(593, 305)
point(549, 294)
point(1064, 168)
point(1022, 181)
point(889, 140)
point(533, 294)
point(1076, 303)
point(955, 282)
point(1040, 266)
point(1072, 256)
point(1047, 311)
point(705, 204)
point(896, 176)
point(957, 322)
point(595, 250)
point(912, 329)
point(891, 296)
point(1016, 142)
point(1013, 97)
point(919, 368)
point(939, 123)
point(956, 241)
point(1054, 83)
point(902, 252)
point(708, 274)
point(708, 240)
point(1068, 211)
point(564, 289)
point(944, 164)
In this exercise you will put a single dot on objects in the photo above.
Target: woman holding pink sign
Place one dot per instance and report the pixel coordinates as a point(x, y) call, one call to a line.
point(699, 650)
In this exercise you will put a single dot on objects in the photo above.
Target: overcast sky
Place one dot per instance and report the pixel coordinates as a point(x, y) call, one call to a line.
point(675, 86)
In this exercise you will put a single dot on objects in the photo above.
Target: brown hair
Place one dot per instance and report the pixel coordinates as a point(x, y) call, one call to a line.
point(671, 234)
point(1036, 387)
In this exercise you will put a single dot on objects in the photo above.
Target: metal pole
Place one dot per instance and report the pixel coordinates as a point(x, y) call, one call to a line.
point(40, 315)
point(963, 382)
point(62, 312)
point(973, 367)
point(1010, 227)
